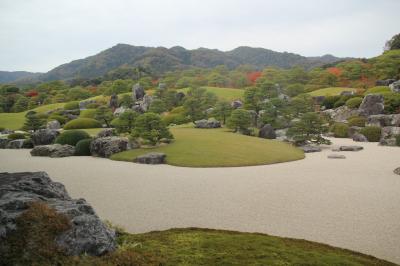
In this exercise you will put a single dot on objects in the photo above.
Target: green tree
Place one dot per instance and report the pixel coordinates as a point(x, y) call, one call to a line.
point(310, 128)
point(126, 121)
point(294, 89)
point(251, 99)
point(157, 106)
point(197, 101)
point(21, 104)
point(104, 115)
point(126, 101)
point(240, 121)
point(222, 110)
point(393, 43)
point(33, 121)
point(150, 127)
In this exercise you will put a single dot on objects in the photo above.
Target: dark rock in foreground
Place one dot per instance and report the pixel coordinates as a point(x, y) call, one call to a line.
point(44, 136)
point(351, 148)
point(360, 137)
point(54, 151)
point(107, 146)
point(309, 149)
point(267, 132)
point(151, 158)
point(88, 234)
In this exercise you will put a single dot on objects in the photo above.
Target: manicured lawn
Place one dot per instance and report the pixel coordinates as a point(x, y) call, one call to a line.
point(334, 91)
point(378, 89)
point(228, 94)
point(194, 246)
point(217, 147)
point(16, 120)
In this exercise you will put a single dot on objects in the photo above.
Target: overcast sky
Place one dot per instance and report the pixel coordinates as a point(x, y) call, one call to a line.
point(38, 35)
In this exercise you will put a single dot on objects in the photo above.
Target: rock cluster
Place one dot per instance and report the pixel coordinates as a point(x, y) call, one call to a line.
point(44, 136)
point(53, 151)
point(151, 158)
point(107, 146)
point(204, 123)
point(372, 104)
point(53, 125)
point(88, 234)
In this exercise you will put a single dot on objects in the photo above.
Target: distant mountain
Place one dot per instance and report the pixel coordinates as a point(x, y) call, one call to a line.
point(11, 76)
point(161, 59)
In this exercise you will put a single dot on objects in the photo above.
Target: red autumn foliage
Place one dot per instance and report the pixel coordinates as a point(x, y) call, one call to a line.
point(253, 76)
point(154, 82)
point(32, 93)
point(335, 71)
point(92, 89)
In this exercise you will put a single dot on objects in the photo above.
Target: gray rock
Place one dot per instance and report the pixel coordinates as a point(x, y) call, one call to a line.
point(113, 101)
point(15, 144)
point(88, 234)
point(380, 120)
point(146, 102)
point(151, 158)
point(347, 93)
point(107, 132)
point(388, 136)
point(309, 149)
point(3, 143)
point(267, 132)
point(384, 82)
point(107, 146)
point(83, 105)
point(397, 171)
point(53, 125)
point(353, 130)
point(336, 156)
point(281, 134)
point(351, 148)
point(53, 151)
point(236, 104)
point(137, 92)
point(119, 111)
point(204, 123)
point(360, 137)
point(341, 114)
point(372, 104)
point(44, 136)
point(319, 99)
point(395, 86)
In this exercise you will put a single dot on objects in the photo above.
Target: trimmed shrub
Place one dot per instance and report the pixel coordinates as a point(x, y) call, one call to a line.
point(398, 140)
point(88, 113)
point(354, 103)
point(176, 119)
point(372, 133)
point(358, 121)
point(340, 130)
point(82, 147)
point(72, 137)
point(71, 105)
point(61, 119)
point(14, 136)
point(80, 123)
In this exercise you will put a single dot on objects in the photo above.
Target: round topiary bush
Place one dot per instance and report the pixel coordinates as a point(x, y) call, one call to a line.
point(71, 105)
point(72, 137)
point(14, 136)
point(372, 133)
point(340, 130)
point(358, 121)
point(80, 123)
point(354, 103)
point(82, 147)
point(88, 113)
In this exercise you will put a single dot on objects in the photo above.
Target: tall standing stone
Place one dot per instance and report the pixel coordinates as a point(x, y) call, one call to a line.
point(137, 92)
point(114, 102)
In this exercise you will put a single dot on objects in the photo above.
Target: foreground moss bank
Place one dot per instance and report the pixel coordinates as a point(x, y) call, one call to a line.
point(195, 147)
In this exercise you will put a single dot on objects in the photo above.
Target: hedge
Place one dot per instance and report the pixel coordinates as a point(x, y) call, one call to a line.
point(340, 130)
point(80, 123)
point(358, 121)
point(354, 103)
point(372, 133)
point(72, 137)
point(82, 147)
point(71, 105)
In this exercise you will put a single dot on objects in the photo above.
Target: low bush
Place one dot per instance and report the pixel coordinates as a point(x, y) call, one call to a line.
point(80, 123)
point(342, 101)
point(372, 133)
point(61, 119)
point(88, 113)
point(392, 102)
point(354, 103)
point(340, 130)
point(176, 119)
point(72, 137)
point(14, 136)
point(358, 121)
point(71, 105)
point(330, 101)
point(82, 147)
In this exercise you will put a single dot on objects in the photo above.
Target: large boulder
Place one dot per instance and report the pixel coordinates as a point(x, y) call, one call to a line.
point(3, 143)
point(395, 86)
point(388, 136)
point(204, 123)
point(380, 120)
point(310, 149)
point(372, 104)
point(384, 82)
point(151, 158)
point(107, 132)
point(236, 104)
point(360, 137)
point(53, 151)
point(16, 144)
point(351, 148)
point(87, 234)
point(267, 132)
point(146, 102)
point(107, 146)
point(341, 114)
point(397, 171)
point(53, 125)
point(44, 136)
point(137, 92)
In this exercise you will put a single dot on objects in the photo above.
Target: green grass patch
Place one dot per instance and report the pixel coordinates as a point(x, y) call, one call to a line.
point(333, 91)
point(195, 147)
point(194, 246)
point(228, 94)
point(378, 89)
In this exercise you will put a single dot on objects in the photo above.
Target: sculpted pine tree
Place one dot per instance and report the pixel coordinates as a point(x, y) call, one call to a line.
point(309, 129)
point(104, 115)
point(33, 122)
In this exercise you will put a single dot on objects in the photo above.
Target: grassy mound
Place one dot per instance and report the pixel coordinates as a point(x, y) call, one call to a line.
point(80, 123)
point(333, 91)
point(228, 94)
point(217, 147)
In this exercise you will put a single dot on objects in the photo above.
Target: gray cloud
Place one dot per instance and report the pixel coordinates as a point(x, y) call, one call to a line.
point(38, 35)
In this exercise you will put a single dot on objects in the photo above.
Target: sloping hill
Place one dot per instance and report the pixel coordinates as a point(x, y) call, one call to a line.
point(11, 76)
